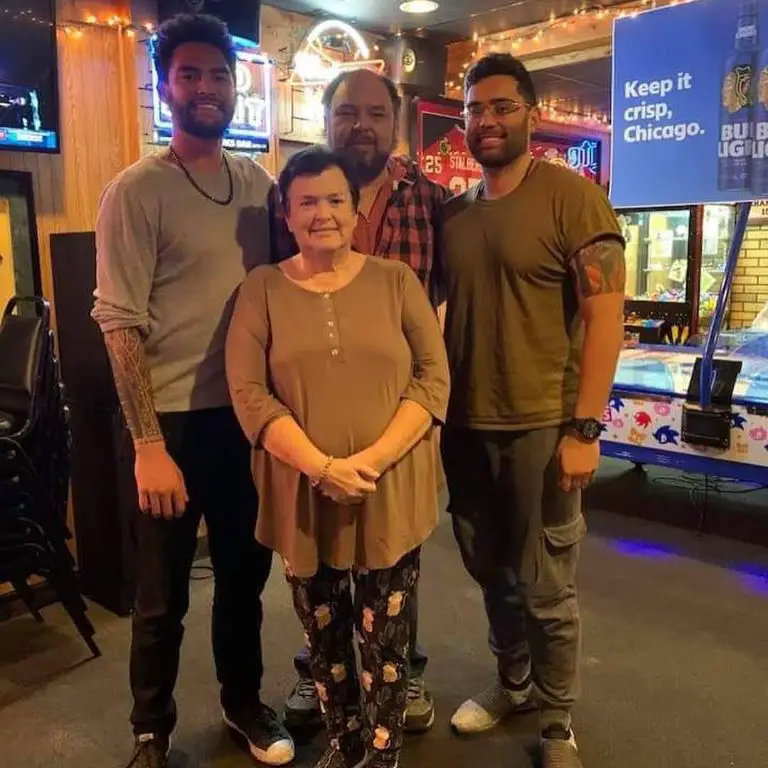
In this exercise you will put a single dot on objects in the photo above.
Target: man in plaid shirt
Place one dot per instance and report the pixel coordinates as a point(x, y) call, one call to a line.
point(398, 218)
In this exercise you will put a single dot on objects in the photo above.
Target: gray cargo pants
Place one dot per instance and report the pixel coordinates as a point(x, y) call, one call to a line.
point(519, 535)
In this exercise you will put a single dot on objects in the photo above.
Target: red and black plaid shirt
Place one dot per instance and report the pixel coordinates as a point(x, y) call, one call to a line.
point(410, 229)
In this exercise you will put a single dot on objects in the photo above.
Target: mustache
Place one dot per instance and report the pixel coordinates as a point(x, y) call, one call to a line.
point(360, 137)
point(492, 133)
point(207, 103)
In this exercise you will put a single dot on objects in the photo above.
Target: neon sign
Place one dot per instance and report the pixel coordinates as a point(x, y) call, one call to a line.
point(250, 130)
point(329, 48)
point(578, 154)
point(584, 157)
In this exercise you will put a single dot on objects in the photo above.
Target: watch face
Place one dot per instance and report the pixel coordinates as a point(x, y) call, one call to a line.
point(589, 429)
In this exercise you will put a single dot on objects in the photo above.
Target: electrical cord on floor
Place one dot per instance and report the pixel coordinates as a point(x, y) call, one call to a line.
point(700, 487)
point(687, 480)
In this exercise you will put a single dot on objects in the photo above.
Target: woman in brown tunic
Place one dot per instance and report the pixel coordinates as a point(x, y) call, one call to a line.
point(338, 375)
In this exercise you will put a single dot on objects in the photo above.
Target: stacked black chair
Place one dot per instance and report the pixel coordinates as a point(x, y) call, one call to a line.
point(35, 449)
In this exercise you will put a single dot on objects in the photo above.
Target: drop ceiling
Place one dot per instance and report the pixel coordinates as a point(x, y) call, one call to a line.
point(454, 19)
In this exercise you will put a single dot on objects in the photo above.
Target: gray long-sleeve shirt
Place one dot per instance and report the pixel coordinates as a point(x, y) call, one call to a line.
point(169, 262)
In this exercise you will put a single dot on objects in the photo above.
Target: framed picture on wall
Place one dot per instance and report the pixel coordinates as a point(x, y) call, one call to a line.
point(438, 136)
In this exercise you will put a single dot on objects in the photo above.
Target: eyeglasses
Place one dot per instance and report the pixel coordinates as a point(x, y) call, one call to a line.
point(499, 109)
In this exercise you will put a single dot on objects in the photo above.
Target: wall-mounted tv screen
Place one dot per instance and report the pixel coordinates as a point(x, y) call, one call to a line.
point(29, 109)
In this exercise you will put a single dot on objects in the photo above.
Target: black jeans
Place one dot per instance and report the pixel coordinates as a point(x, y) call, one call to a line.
point(417, 657)
point(214, 457)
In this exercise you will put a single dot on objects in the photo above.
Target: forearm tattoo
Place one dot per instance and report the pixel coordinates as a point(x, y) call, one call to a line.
point(133, 383)
point(600, 268)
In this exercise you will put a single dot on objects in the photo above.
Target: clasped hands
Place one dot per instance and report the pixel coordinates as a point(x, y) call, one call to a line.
point(350, 480)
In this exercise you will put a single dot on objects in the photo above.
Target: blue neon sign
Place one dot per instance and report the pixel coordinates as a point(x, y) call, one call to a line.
point(584, 156)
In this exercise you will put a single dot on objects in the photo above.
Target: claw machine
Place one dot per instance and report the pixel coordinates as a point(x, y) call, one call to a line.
point(660, 288)
point(675, 267)
point(716, 232)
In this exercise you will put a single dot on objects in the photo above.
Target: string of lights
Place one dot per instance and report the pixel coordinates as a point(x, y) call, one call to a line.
point(76, 27)
point(552, 109)
point(587, 15)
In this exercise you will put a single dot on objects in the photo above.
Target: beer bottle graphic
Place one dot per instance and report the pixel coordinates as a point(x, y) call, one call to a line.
point(737, 103)
point(760, 143)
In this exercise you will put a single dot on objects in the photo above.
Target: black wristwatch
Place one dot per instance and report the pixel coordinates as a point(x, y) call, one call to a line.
point(587, 430)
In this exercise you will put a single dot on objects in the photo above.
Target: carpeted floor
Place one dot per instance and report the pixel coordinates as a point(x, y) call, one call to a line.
point(675, 671)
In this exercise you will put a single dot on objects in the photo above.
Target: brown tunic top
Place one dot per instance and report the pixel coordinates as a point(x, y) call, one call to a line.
point(340, 363)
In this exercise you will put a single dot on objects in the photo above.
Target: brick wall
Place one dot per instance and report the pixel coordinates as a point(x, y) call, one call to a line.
point(750, 284)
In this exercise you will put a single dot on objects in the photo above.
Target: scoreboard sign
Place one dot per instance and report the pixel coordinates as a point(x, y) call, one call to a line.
point(444, 158)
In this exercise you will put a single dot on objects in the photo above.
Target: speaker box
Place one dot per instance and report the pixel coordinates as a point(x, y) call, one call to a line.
point(243, 17)
point(417, 64)
point(102, 484)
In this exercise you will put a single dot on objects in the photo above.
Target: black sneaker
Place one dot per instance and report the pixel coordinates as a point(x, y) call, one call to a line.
point(420, 708)
point(150, 751)
point(378, 760)
point(333, 758)
point(267, 739)
point(302, 709)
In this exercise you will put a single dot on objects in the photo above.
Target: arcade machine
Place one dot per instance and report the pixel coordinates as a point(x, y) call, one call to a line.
point(675, 268)
point(697, 409)
point(716, 232)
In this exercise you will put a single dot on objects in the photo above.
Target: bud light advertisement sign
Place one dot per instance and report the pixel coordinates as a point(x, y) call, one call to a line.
point(690, 105)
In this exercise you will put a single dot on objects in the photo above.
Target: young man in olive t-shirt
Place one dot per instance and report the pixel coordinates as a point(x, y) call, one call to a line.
point(533, 270)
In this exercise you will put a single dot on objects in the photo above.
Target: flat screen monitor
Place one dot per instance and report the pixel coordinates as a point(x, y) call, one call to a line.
point(29, 108)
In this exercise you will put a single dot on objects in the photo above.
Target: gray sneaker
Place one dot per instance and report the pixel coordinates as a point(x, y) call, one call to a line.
point(302, 709)
point(560, 752)
point(489, 708)
point(420, 709)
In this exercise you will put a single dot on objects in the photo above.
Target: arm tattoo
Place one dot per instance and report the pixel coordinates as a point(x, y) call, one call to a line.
point(600, 268)
point(133, 382)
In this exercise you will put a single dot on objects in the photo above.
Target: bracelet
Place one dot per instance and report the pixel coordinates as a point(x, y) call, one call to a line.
point(323, 472)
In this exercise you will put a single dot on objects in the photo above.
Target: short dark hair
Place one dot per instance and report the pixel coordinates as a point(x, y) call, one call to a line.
point(344, 75)
point(190, 28)
point(502, 64)
point(313, 161)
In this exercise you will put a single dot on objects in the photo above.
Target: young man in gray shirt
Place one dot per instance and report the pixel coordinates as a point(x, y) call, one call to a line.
point(176, 234)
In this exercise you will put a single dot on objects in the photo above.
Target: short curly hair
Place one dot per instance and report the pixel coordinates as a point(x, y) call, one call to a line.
point(313, 161)
point(190, 28)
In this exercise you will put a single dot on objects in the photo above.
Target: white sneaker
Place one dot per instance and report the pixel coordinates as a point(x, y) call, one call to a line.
point(560, 753)
point(488, 709)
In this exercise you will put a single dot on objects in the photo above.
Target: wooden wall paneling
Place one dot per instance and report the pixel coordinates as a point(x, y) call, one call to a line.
point(99, 119)
point(98, 105)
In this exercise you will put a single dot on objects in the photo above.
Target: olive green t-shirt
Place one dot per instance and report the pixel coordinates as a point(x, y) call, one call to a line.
point(513, 330)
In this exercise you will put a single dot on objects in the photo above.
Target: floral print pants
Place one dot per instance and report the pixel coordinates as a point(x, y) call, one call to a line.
point(378, 615)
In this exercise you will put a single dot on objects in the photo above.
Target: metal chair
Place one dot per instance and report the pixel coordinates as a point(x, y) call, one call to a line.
point(35, 448)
